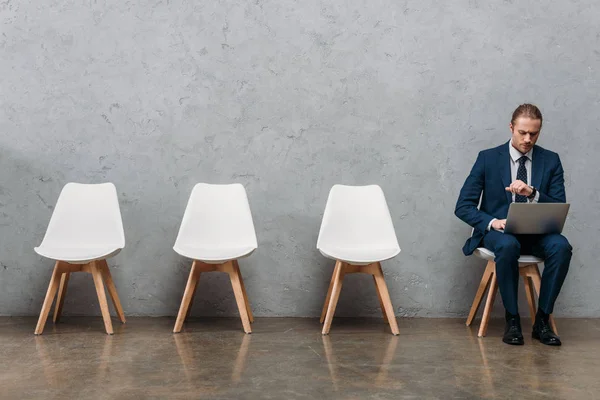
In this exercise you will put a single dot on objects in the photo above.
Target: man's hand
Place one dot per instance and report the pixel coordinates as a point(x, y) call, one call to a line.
point(520, 187)
point(499, 224)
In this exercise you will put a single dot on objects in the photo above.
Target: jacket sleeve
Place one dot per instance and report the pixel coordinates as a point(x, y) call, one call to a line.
point(556, 186)
point(468, 199)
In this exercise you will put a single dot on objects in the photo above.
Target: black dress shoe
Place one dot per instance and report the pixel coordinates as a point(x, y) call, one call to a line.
point(512, 331)
point(543, 332)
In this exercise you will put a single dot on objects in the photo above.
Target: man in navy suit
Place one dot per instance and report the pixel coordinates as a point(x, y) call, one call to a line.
point(517, 171)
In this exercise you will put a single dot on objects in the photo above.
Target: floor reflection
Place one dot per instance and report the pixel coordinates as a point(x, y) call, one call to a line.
point(530, 367)
point(52, 353)
point(188, 346)
point(381, 380)
point(288, 358)
point(486, 372)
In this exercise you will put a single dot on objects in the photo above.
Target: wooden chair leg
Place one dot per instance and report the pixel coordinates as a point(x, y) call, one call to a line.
point(530, 297)
point(112, 289)
point(248, 309)
point(489, 303)
point(187, 297)
point(385, 298)
point(62, 292)
point(338, 264)
point(485, 280)
point(537, 284)
point(239, 296)
point(50, 294)
point(338, 277)
point(553, 324)
point(189, 311)
point(380, 301)
point(96, 269)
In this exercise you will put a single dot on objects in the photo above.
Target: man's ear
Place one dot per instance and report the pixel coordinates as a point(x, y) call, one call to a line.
point(510, 126)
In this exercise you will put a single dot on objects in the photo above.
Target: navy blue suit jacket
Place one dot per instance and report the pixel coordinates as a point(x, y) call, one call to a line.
point(491, 175)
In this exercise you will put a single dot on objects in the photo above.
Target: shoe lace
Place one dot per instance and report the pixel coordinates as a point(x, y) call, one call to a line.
point(514, 326)
point(545, 328)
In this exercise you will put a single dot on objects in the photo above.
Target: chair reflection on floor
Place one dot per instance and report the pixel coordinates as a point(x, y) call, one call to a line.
point(48, 350)
point(486, 371)
point(380, 381)
point(185, 348)
point(532, 362)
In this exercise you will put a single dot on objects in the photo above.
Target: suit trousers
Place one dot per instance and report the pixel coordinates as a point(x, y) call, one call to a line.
point(553, 248)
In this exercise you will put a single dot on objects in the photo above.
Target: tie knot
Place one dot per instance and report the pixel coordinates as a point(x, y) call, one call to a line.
point(522, 160)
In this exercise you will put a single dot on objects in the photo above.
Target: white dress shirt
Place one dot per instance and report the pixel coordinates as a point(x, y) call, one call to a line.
point(514, 166)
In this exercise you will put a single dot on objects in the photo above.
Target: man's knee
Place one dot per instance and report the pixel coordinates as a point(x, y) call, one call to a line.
point(558, 245)
point(508, 246)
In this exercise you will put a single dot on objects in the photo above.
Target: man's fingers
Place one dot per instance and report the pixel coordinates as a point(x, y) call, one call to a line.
point(516, 187)
point(519, 186)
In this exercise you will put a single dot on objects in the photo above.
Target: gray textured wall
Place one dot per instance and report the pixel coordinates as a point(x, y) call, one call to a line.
point(288, 98)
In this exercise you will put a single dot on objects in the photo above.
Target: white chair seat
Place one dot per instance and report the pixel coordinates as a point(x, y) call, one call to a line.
point(359, 256)
point(357, 226)
point(80, 255)
point(212, 255)
point(486, 254)
point(85, 226)
point(217, 225)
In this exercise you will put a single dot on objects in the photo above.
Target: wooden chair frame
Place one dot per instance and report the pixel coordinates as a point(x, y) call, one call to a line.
point(335, 286)
point(58, 288)
point(232, 268)
point(533, 281)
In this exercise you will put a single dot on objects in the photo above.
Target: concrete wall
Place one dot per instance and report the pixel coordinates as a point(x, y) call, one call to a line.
point(288, 98)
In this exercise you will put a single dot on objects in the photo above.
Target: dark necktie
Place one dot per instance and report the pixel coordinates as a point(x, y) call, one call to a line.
point(522, 176)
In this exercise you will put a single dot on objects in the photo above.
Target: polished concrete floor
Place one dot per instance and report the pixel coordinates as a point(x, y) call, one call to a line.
point(287, 358)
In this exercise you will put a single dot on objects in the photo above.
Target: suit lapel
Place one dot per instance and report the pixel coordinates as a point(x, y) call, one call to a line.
point(537, 167)
point(504, 159)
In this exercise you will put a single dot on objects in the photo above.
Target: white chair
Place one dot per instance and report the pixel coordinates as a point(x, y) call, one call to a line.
point(216, 231)
point(85, 229)
point(357, 232)
point(528, 269)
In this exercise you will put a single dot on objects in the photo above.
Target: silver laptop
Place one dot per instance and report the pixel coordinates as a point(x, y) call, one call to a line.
point(536, 219)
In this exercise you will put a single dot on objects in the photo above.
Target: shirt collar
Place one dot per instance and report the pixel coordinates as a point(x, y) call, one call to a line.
point(516, 154)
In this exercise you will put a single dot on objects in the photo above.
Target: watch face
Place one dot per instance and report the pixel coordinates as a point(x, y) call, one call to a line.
point(533, 193)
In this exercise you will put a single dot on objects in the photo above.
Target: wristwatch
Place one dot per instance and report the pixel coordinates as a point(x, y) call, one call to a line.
point(533, 193)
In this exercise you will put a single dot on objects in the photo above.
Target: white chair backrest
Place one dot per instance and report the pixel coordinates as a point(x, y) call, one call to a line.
point(86, 215)
point(357, 216)
point(217, 216)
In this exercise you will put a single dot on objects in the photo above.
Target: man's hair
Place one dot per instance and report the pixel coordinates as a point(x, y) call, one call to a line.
point(528, 111)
